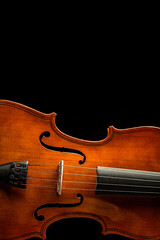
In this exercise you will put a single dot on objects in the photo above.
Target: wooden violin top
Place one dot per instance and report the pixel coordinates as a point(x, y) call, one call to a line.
point(47, 175)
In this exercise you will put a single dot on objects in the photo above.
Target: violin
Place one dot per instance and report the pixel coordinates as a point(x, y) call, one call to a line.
point(47, 175)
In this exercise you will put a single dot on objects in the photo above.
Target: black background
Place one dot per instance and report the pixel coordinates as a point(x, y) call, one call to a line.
point(93, 73)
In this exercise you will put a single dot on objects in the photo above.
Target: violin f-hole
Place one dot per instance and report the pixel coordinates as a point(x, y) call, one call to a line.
point(57, 205)
point(60, 149)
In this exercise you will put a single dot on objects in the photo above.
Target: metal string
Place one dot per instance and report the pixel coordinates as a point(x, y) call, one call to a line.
point(55, 165)
point(91, 175)
point(107, 184)
point(87, 189)
point(110, 168)
point(93, 189)
point(94, 183)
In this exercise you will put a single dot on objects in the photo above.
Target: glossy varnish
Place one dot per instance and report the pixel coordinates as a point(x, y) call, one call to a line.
point(28, 135)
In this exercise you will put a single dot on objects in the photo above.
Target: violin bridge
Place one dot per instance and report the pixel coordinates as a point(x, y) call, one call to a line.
point(60, 178)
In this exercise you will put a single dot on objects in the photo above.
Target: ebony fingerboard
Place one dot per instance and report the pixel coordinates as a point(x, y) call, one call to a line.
point(117, 181)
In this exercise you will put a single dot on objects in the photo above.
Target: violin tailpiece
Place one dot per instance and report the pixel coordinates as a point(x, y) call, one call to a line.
point(14, 173)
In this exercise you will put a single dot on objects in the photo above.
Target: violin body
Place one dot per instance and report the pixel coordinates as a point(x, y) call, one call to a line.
point(46, 175)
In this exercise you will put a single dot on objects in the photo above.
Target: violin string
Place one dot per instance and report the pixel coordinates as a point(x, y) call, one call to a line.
point(110, 169)
point(91, 189)
point(93, 183)
point(89, 175)
point(55, 180)
point(55, 165)
point(96, 176)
